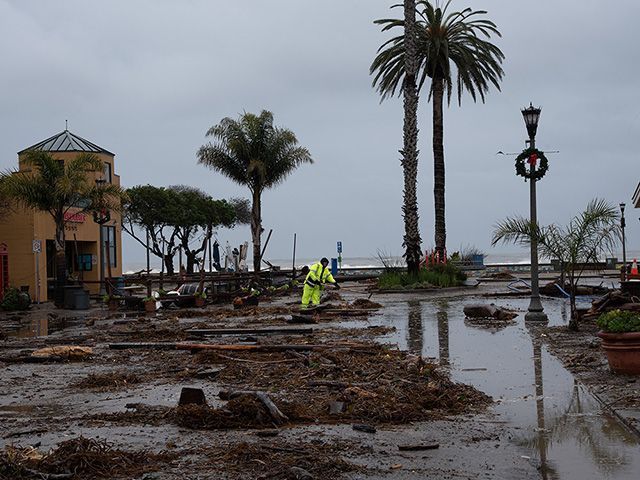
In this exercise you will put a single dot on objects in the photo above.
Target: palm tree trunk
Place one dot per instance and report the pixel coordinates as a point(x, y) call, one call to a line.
point(256, 227)
point(61, 265)
point(410, 142)
point(438, 167)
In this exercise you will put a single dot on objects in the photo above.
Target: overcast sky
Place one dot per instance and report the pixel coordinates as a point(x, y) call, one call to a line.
point(145, 79)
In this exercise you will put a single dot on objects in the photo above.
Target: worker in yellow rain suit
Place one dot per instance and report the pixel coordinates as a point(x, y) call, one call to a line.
point(318, 275)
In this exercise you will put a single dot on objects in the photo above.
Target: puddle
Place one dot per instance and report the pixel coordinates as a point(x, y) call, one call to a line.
point(38, 327)
point(561, 426)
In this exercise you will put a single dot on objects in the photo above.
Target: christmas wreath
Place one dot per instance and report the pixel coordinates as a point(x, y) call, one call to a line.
point(531, 156)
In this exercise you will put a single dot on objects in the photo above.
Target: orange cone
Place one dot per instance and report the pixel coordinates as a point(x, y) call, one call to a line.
point(634, 269)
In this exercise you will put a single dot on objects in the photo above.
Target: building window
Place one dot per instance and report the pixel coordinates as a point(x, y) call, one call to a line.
point(106, 174)
point(109, 237)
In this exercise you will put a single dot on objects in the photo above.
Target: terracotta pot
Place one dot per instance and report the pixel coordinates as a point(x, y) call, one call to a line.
point(199, 302)
point(150, 306)
point(623, 351)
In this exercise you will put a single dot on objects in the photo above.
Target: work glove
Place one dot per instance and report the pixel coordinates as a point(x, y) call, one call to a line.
point(337, 286)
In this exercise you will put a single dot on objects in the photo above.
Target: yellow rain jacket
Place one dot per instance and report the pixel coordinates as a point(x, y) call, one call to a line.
point(318, 276)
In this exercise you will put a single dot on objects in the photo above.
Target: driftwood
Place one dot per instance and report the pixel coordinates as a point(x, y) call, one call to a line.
point(417, 448)
point(252, 331)
point(235, 347)
point(304, 319)
point(277, 416)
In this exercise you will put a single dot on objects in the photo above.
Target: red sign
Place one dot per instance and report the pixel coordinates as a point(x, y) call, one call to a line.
point(75, 217)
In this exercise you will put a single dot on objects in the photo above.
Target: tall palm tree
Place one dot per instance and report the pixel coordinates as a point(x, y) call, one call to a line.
point(56, 187)
point(410, 143)
point(253, 152)
point(587, 237)
point(457, 41)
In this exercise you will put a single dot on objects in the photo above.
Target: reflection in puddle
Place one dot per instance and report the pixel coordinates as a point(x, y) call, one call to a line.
point(37, 327)
point(561, 425)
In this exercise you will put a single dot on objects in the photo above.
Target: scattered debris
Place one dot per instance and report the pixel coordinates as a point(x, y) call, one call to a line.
point(488, 311)
point(418, 448)
point(107, 381)
point(80, 458)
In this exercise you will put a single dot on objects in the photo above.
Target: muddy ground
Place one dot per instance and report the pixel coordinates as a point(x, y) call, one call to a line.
point(115, 414)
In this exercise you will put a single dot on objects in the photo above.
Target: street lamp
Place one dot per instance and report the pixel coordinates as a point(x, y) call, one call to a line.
point(101, 217)
point(624, 249)
point(535, 312)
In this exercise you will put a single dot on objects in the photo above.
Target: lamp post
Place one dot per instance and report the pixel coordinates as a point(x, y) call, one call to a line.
point(535, 312)
point(624, 248)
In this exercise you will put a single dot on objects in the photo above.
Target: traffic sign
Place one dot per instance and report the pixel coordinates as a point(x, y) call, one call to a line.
point(36, 246)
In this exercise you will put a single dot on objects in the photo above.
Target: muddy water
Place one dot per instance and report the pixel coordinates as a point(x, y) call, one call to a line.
point(558, 424)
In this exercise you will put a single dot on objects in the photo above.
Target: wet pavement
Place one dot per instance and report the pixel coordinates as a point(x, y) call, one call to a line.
point(544, 424)
point(559, 424)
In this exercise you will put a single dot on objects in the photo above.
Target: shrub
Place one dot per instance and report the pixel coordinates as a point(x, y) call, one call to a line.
point(14, 299)
point(434, 276)
point(619, 321)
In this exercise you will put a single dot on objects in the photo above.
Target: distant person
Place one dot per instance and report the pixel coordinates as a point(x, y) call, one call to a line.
point(318, 275)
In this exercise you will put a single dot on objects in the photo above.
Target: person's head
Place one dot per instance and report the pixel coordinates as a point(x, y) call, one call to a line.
point(324, 261)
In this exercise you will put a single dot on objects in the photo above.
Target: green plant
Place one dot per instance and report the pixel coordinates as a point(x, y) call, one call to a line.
point(587, 237)
point(149, 299)
point(619, 321)
point(14, 299)
point(435, 276)
point(107, 298)
point(200, 295)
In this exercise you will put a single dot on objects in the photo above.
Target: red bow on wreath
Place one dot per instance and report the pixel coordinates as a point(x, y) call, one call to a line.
point(533, 158)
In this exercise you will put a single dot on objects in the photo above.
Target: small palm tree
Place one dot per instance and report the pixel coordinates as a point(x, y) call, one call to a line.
point(252, 152)
point(56, 187)
point(446, 42)
point(589, 235)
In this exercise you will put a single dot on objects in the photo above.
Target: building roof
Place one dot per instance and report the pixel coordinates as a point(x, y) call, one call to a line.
point(66, 141)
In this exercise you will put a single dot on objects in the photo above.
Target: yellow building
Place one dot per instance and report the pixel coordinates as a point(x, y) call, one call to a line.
point(25, 231)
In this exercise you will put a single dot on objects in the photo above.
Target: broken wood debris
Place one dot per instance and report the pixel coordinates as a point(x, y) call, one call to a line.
point(417, 448)
point(277, 416)
point(249, 331)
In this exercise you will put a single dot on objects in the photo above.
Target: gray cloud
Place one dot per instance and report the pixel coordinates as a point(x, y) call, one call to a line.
point(146, 79)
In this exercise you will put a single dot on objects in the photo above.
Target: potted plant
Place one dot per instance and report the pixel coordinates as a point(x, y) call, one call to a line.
point(149, 304)
point(200, 298)
point(112, 301)
point(620, 334)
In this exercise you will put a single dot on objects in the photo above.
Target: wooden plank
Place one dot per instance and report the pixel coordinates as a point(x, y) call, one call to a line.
point(251, 331)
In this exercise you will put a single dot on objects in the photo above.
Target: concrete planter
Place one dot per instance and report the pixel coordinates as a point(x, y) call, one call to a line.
point(623, 351)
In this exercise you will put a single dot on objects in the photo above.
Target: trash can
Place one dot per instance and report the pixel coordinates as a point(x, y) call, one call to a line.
point(334, 266)
point(81, 299)
point(76, 297)
point(611, 263)
point(477, 260)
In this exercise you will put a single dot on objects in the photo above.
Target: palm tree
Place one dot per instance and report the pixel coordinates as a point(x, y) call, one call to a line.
point(587, 238)
point(251, 151)
point(446, 41)
point(410, 148)
point(56, 187)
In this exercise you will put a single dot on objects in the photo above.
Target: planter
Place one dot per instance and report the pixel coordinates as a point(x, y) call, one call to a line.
point(150, 306)
point(623, 351)
point(199, 302)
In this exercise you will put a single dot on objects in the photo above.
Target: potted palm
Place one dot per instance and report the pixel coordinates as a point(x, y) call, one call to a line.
point(620, 334)
point(200, 298)
point(149, 304)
